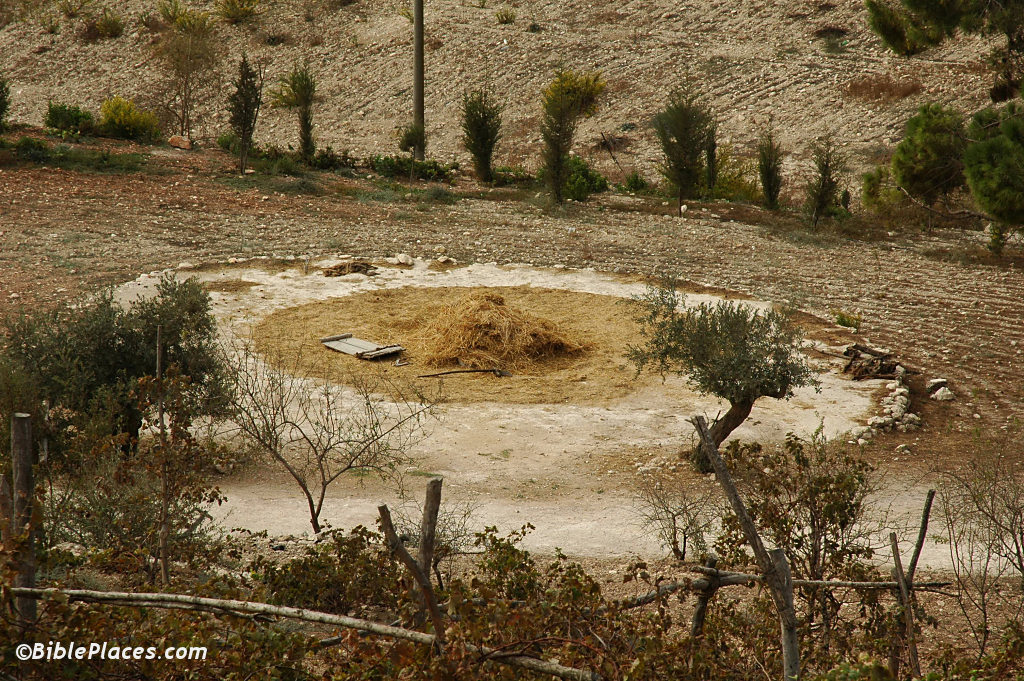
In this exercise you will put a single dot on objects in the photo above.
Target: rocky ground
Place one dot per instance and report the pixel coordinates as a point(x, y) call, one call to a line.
point(788, 63)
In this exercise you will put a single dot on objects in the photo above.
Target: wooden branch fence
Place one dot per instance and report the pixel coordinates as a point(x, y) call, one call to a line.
point(15, 526)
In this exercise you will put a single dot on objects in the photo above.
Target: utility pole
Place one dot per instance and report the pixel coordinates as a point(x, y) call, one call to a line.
point(417, 77)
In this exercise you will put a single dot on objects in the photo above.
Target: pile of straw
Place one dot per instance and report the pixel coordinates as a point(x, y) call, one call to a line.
point(480, 331)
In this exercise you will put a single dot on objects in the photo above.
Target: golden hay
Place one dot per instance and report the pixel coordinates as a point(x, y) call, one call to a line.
point(480, 331)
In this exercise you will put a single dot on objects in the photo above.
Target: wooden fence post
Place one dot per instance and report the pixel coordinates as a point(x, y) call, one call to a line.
point(907, 603)
point(420, 571)
point(706, 594)
point(21, 517)
point(774, 566)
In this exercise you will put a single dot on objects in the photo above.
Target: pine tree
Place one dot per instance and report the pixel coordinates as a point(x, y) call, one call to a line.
point(914, 25)
point(993, 164)
point(684, 129)
point(928, 163)
point(244, 106)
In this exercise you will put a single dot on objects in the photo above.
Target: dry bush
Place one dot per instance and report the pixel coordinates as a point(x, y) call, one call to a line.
point(482, 332)
point(882, 87)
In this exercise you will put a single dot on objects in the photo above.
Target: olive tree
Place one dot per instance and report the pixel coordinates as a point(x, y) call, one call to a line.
point(726, 349)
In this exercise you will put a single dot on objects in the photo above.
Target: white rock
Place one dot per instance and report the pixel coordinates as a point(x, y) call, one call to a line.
point(943, 394)
point(403, 259)
point(936, 383)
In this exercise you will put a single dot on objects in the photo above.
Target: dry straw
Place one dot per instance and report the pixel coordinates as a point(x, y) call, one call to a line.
point(480, 331)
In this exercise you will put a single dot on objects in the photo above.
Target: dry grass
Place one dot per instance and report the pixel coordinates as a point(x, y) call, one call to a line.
point(481, 331)
point(882, 87)
point(600, 375)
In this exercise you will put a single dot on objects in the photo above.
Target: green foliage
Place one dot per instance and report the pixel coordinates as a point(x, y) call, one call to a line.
point(913, 25)
point(568, 98)
point(110, 24)
point(244, 107)
point(120, 117)
point(928, 163)
point(850, 320)
point(769, 168)
point(993, 163)
point(297, 90)
point(351, 574)
point(31, 150)
point(402, 166)
point(735, 177)
point(809, 498)
point(822, 190)
point(583, 180)
point(326, 158)
point(481, 129)
point(411, 137)
point(684, 129)
point(635, 182)
point(72, 9)
point(5, 101)
point(89, 358)
point(505, 16)
point(726, 349)
point(68, 118)
point(236, 11)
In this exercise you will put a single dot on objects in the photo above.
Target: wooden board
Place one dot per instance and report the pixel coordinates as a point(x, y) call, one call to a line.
point(357, 347)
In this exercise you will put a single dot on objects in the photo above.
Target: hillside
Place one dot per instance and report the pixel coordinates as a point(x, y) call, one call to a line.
point(759, 61)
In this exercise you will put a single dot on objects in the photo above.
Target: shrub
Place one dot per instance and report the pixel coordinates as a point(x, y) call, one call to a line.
point(583, 180)
point(297, 90)
point(481, 129)
point(823, 189)
point(928, 163)
point(512, 175)
point(506, 15)
point(341, 574)
point(228, 141)
point(120, 118)
point(68, 118)
point(735, 176)
point(244, 107)
point(684, 128)
point(72, 9)
point(109, 24)
point(235, 11)
point(769, 168)
point(328, 159)
point(5, 101)
point(412, 137)
point(401, 166)
point(635, 182)
point(32, 150)
point(567, 99)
